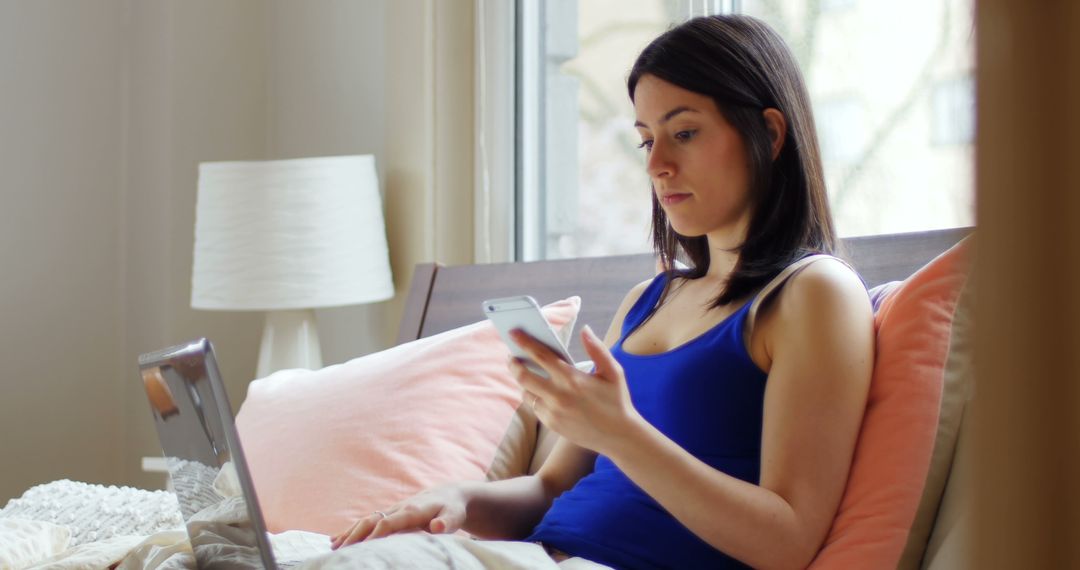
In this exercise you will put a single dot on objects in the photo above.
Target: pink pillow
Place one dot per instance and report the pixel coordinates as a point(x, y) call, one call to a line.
point(326, 447)
point(903, 418)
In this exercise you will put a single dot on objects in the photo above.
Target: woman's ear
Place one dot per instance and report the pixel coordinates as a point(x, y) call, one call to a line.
point(777, 126)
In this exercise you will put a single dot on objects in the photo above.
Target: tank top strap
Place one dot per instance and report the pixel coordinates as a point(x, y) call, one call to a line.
point(645, 303)
point(781, 278)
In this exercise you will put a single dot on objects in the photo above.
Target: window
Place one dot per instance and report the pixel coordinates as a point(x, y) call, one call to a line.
point(891, 84)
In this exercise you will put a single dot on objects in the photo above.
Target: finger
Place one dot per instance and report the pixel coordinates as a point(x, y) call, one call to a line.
point(531, 382)
point(534, 348)
point(407, 518)
point(359, 532)
point(606, 365)
point(540, 353)
point(342, 533)
point(339, 538)
point(449, 520)
point(384, 527)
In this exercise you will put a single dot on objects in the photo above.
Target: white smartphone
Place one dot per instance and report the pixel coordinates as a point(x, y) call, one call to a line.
point(522, 312)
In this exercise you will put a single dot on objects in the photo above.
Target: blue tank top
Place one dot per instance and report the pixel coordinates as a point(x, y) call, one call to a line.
point(707, 396)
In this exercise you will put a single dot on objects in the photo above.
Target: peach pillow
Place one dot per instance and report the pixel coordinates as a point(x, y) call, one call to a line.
point(904, 418)
point(328, 446)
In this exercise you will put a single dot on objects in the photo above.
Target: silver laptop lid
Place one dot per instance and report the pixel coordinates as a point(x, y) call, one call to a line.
point(202, 449)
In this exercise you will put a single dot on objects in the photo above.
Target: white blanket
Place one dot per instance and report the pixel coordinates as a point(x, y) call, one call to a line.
point(170, 550)
point(223, 528)
point(423, 550)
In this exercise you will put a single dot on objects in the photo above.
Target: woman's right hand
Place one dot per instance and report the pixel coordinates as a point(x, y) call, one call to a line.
point(439, 510)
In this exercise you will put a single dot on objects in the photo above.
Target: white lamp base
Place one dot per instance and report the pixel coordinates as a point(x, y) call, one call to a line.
point(290, 340)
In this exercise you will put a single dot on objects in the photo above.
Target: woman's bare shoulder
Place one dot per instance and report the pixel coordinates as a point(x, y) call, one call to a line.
point(825, 296)
point(825, 280)
point(628, 301)
point(635, 293)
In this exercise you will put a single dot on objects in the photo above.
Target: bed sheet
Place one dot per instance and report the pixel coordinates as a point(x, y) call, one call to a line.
point(142, 531)
point(170, 550)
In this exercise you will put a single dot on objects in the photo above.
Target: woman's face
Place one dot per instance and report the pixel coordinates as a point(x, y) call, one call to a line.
point(696, 160)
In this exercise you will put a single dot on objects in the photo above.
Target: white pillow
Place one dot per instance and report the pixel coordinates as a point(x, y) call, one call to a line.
point(94, 512)
point(25, 542)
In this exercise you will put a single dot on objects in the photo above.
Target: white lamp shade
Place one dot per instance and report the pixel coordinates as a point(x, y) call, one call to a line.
point(289, 234)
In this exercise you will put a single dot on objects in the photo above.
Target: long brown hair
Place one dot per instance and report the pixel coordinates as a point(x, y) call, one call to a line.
point(746, 68)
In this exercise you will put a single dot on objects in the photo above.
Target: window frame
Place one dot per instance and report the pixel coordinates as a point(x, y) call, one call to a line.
point(530, 217)
point(529, 222)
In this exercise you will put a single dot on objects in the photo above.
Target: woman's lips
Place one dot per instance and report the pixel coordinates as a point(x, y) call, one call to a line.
point(672, 199)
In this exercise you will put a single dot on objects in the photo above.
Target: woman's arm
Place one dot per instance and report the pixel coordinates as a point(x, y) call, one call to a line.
point(507, 509)
point(821, 351)
point(511, 509)
point(820, 348)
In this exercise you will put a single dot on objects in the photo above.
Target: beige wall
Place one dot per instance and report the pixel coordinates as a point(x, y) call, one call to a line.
point(107, 109)
point(196, 85)
point(61, 117)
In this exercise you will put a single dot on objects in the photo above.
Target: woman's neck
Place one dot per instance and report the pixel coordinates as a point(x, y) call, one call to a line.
point(723, 253)
point(721, 264)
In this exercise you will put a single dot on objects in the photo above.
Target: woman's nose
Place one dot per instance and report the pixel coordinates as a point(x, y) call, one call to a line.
point(659, 163)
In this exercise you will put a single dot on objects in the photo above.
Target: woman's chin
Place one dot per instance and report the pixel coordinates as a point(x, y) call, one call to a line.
point(686, 230)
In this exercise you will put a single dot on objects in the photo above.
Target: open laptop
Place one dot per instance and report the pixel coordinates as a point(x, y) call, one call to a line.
point(206, 462)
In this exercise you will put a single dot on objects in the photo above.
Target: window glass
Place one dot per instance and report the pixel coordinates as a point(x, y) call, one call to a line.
point(591, 195)
point(894, 101)
point(892, 89)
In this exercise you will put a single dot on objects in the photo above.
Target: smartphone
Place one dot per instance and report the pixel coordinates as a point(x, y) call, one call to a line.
point(522, 312)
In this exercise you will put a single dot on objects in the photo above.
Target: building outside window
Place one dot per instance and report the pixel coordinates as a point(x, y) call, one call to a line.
point(891, 84)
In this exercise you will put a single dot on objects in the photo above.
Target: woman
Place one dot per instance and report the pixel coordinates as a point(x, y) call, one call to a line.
point(718, 426)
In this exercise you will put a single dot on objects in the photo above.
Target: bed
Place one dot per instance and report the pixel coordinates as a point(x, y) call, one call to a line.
point(441, 302)
point(442, 298)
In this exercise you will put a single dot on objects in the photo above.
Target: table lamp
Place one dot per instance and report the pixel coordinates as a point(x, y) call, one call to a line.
point(286, 237)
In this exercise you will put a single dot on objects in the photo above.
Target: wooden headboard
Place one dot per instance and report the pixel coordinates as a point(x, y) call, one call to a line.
point(445, 297)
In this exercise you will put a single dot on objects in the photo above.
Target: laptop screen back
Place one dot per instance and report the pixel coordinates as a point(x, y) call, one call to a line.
point(195, 426)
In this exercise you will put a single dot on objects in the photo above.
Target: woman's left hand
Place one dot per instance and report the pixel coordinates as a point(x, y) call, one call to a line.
point(593, 411)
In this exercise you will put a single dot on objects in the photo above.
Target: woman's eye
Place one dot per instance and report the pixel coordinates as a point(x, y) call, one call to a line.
point(647, 145)
point(684, 136)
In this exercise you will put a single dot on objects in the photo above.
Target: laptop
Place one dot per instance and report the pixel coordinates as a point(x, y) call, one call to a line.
point(206, 462)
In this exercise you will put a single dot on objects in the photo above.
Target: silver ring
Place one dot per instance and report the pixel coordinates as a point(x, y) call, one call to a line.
point(380, 513)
